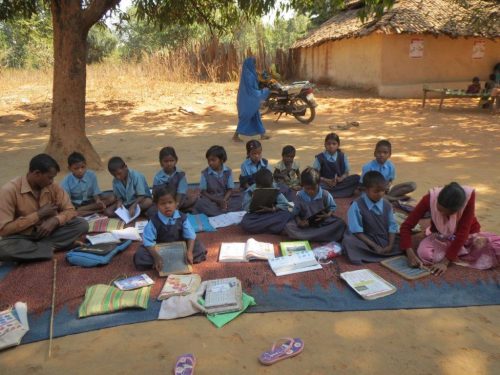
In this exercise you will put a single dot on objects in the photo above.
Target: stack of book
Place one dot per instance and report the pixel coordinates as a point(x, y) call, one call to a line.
point(223, 295)
point(297, 256)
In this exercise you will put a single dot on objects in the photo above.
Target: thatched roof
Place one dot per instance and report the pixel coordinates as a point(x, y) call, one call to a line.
point(436, 17)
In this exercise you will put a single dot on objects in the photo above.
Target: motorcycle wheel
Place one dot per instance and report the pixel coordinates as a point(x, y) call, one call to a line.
point(266, 106)
point(310, 111)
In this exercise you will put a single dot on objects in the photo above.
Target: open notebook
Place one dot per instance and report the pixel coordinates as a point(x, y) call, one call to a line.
point(245, 251)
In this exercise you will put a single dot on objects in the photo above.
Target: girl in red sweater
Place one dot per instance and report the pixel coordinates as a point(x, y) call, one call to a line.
point(454, 234)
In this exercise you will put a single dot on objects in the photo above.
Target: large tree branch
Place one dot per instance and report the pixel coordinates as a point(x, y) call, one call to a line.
point(96, 10)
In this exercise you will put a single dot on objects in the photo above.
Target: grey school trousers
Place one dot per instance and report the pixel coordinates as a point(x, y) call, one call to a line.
point(20, 247)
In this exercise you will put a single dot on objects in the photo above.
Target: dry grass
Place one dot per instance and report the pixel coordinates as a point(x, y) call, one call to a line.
point(30, 84)
point(163, 73)
point(111, 80)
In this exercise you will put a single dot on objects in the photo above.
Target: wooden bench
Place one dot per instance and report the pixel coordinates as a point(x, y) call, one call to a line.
point(447, 93)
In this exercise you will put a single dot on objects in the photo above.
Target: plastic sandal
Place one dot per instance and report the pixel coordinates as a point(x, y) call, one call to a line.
point(282, 349)
point(185, 365)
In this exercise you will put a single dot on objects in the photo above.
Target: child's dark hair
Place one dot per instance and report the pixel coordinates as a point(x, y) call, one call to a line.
point(76, 157)
point(163, 190)
point(115, 163)
point(493, 76)
point(384, 143)
point(452, 197)
point(167, 151)
point(332, 137)
point(218, 152)
point(288, 150)
point(264, 178)
point(252, 145)
point(309, 177)
point(43, 163)
point(373, 179)
point(475, 79)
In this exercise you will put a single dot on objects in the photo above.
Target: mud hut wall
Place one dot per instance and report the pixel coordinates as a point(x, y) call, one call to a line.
point(444, 60)
point(352, 62)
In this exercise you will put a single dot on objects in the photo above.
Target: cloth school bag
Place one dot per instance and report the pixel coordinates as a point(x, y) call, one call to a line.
point(104, 299)
point(85, 259)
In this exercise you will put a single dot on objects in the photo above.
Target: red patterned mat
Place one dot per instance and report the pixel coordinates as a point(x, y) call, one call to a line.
point(32, 283)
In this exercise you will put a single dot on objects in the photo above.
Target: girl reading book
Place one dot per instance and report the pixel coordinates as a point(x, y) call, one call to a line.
point(167, 225)
point(314, 212)
point(268, 215)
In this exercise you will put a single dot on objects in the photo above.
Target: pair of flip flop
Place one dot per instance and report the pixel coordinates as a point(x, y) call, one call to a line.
point(282, 349)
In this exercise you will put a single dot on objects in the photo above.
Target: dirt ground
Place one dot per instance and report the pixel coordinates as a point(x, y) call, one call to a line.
point(431, 147)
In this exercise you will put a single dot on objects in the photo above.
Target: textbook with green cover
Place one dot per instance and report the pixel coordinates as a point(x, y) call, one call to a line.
point(290, 247)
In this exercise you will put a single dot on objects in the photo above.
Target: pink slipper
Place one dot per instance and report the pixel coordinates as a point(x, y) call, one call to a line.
point(185, 365)
point(288, 348)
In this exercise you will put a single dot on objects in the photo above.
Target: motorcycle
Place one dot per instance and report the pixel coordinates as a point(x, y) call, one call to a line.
point(296, 99)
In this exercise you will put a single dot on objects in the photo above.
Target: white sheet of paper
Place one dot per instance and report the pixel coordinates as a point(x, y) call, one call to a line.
point(93, 217)
point(225, 220)
point(105, 237)
point(130, 233)
point(123, 214)
point(139, 225)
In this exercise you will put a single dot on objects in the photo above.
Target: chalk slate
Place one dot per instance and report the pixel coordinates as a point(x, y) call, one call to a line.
point(263, 197)
point(174, 255)
point(400, 266)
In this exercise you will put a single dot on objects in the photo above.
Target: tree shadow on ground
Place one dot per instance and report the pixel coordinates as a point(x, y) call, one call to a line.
point(430, 147)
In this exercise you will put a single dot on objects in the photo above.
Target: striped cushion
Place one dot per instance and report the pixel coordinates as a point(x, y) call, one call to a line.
point(105, 224)
point(102, 299)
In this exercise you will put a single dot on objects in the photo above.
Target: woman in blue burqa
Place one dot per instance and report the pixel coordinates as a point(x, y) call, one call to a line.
point(249, 99)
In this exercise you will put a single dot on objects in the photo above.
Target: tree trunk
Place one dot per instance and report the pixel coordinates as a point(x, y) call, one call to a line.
point(67, 133)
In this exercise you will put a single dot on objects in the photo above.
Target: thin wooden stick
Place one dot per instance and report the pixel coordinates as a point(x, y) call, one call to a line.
point(52, 308)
